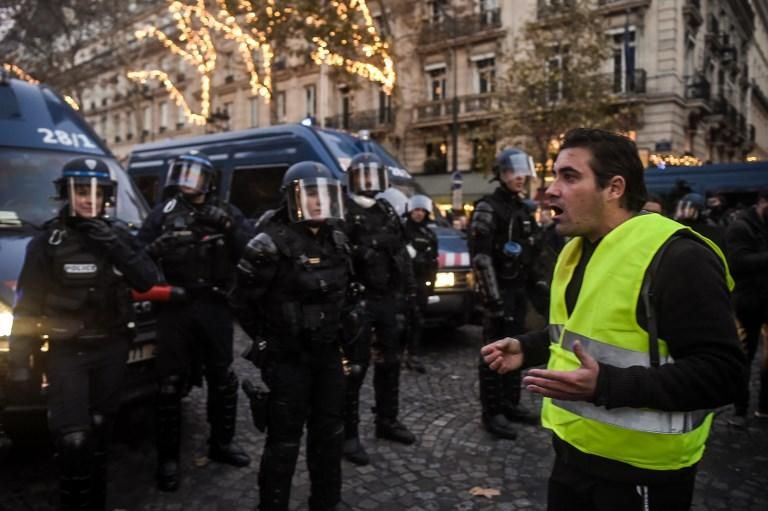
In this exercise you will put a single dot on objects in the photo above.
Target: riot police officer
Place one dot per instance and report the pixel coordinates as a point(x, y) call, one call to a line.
point(74, 291)
point(502, 241)
point(197, 242)
point(383, 267)
point(290, 297)
point(422, 242)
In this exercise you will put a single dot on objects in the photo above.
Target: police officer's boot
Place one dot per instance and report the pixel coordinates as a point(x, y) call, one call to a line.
point(168, 434)
point(278, 462)
point(75, 464)
point(353, 450)
point(386, 386)
point(490, 401)
point(222, 412)
point(102, 426)
point(324, 463)
point(510, 402)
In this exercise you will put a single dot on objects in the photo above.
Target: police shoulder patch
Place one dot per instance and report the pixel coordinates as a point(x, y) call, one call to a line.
point(169, 206)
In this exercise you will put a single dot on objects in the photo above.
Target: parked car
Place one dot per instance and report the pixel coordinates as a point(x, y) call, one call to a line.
point(39, 132)
point(252, 163)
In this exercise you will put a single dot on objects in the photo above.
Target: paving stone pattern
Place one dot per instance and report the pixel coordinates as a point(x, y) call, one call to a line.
point(452, 455)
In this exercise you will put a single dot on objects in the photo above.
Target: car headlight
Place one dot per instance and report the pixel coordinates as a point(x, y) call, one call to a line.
point(6, 320)
point(445, 279)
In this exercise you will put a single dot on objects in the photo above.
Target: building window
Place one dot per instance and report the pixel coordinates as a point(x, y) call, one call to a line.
point(624, 79)
point(103, 127)
point(485, 75)
point(489, 11)
point(147, 124)
point(436, 10)
point(436, 82)
point(385, 108)
point(436, 161)
point(310, 101)
point(254, 112)
point(557, 67)
point(163, 116)
point(117, 127)
point(181, 117)
point(281, 106)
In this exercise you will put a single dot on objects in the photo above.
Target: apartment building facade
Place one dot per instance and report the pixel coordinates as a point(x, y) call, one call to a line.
point(696, 69)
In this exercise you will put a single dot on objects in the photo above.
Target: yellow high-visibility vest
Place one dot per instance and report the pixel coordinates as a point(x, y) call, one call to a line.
point(604, 321)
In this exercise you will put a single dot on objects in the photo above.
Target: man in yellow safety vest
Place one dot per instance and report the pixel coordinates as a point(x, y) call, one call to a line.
point(641, 344)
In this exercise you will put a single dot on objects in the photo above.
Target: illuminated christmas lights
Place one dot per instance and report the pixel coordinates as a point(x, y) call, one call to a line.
point(196, 24)
point(16, 70)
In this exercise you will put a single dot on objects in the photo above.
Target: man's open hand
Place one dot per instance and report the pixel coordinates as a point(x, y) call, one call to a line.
point(576, 385)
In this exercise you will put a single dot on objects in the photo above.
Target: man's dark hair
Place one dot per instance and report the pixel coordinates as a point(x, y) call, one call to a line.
point(612, 155)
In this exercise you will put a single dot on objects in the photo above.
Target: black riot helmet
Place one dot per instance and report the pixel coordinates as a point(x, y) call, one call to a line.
point(191, 174)
point(87, 187)
point(516, 161)
point(311, 193)
point(367, 175)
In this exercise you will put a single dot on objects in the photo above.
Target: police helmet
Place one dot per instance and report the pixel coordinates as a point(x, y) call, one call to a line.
point(191, 174)
point(87, 186)
point(397, 199)
point(690, 207)
point(419, 201)
point(311, 192)
point(516, 161)
point(367, 175)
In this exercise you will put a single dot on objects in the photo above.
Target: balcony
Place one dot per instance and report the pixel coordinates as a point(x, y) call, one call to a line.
point(371, 120)
point(629, 82)
point(472, 107)
point(698, 87)
point(461, 26)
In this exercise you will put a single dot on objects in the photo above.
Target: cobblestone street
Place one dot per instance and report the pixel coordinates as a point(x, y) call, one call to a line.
point(453, 455)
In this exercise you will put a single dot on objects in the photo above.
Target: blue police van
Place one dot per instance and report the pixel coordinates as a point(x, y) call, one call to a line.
point(39, 133)
point(252, 162)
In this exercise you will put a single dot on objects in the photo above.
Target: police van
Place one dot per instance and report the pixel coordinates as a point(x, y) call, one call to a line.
point(252, 162)
point(39, 133)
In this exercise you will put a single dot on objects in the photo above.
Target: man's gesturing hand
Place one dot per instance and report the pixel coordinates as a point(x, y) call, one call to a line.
point(576, 385)
point(504, 355)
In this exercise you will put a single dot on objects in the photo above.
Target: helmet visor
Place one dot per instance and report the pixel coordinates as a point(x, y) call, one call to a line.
point(520, 164)
point(90, 197)
point(190, 177)
point(315, 199)
point(368, 177)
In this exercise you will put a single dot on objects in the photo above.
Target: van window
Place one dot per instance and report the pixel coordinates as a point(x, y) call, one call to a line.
point(148, 186)
point(256, 189)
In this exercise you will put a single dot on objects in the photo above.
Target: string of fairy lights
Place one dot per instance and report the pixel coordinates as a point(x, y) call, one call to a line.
point(196, 25)
point(20, 73)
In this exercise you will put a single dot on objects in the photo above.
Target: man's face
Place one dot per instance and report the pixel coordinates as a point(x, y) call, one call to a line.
point(578, 205)
point(418, 215)
point(513, 182)
point(84, 204)
point(314, 209)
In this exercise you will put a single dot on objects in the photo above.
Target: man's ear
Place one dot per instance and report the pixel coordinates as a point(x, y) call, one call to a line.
point(616, 188)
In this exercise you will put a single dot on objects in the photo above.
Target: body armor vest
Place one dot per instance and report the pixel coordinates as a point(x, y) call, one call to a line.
point(376, 235)
point(85, 287)
point(202, 258)
point(513, 223)
point(309, 291)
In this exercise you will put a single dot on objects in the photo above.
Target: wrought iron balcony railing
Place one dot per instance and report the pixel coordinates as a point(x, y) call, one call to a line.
point(459, 26)
point(365, 120)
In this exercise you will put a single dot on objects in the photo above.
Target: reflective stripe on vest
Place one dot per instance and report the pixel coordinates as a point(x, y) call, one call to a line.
point(650, 421)
point(604, 321)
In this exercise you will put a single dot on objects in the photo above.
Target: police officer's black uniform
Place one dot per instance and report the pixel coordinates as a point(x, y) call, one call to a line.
point(74, 288)
point(503, 246)
point(423, 243)
point(197, 245)
point(290, 297)
point(382, 265)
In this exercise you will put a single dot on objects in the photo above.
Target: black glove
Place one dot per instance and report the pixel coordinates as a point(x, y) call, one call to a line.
point(163, 244)
point(215, 217)
point(99, 231)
